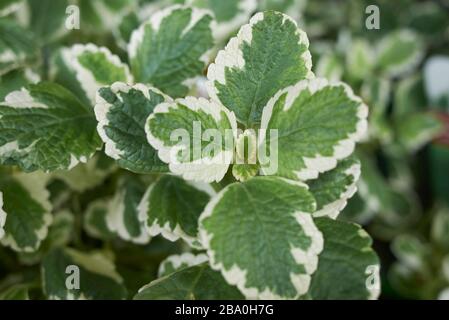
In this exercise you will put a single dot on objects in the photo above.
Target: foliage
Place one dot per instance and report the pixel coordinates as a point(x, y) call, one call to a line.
point(92, 178)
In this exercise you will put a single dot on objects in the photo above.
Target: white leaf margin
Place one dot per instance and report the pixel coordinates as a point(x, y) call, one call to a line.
point(91, 229)
point(333, 209)
point(237, 276)
point(96, 262)
point(408, 64)
point(22, 99)
point(115, 219)
point(232, 55)
point(84, 76)
point(177, 260)
point(155, 21)
point(35, 184)
point(171, 234)
point(224, 29)
point(204, 169)
point(373, 271)
point(318, 164)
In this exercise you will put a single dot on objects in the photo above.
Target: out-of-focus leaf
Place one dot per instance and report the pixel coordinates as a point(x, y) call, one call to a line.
point(346, 247)
point(416, 130)
point(399, 52)
point(64, 269)
point(15, 80)
point(46, 127)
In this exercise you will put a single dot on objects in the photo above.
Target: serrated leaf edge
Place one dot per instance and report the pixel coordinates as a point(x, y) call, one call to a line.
point(35, 185)
point(196, 170)
point(171, 234)
point(102, 108)
point(155, 21)
point(115, 220)
point(236, 276)
point(318, 164)
point(178, 260)
point(333, 209)
point(83, 75)
point(408, 64)
point(232, 55)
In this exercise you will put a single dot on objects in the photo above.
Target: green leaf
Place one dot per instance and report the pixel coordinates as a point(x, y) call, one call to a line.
point(59, 234)
point(314, 124)
point(94, 221)
point(171, 207)
point(171, 48)
point(104, 15)
point(357, 211)
point(15, 80)
point(123, 215)
point(332, 189)
point(360, 59)
point(45, 127)
point(348, 268)
point(194, 283)
point(178, 262)
point(15, 292)
point(122, 111)
point(376, 92)
point(373, 187)
point(330, 67)
point(404, 281)
point(416, 130)
point(98, 278)
point(194, 136)
point(47, 18)
point(394, 207)
point(17, 46)
point(61, 230)
point(268, 54)
point(399, 52)
point(85, 68)
point(410, 251)
point(128, 23)
point(25, 200)
point(230, 14)
point(265, 221)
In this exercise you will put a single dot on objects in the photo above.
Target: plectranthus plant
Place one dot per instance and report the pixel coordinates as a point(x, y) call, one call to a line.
point(203, 149)
point(175, 167)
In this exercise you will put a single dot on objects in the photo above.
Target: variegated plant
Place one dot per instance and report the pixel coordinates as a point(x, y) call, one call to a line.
point(248, 230)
